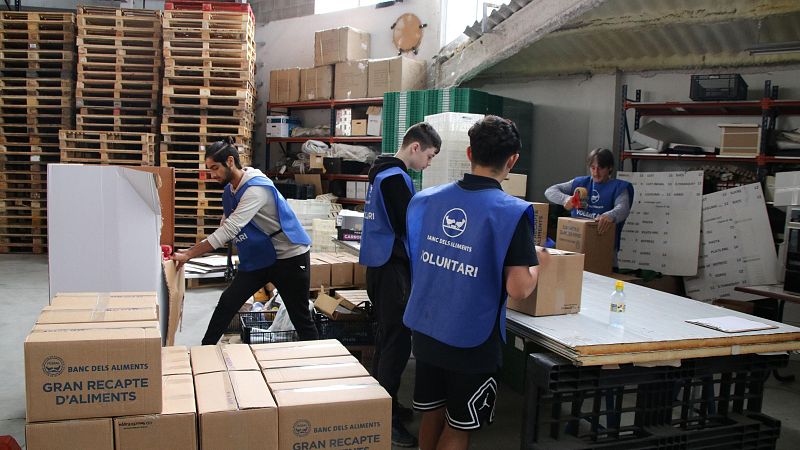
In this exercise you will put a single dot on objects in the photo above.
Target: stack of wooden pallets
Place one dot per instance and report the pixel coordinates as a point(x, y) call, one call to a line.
point(108, 147)
point(119, 69)
point(208, 94)
point(37, 54)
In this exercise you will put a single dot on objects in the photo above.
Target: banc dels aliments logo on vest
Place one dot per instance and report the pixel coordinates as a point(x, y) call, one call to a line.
point(53, 366)
point(595, 196)
point(454, 222)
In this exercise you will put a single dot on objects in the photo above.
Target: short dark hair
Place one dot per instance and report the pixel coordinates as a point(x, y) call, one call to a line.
point(602, 156)
point(220, 150)
point(493, 140)
point(423, 134)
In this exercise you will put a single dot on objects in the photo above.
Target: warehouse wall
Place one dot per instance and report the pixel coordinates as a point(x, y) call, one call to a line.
point(290, 43)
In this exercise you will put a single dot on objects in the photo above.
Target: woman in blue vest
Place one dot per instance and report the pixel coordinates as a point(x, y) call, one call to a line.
point(608, 200)
point(383, 251)
point(470, 246)
point(272, 245)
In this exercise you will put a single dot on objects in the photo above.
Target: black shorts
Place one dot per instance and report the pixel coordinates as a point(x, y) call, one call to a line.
point(469, 397)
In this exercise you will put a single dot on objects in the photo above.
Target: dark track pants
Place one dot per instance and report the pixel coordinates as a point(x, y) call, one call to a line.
point(290, 276)
point(388, 288)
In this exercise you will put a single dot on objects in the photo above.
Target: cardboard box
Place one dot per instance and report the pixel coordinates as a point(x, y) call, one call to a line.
point(361, 190)
point(284, 85)
point(340, 413)
point(350, 80)
point(89, 434)
point(284, 370)
point(340, 44)
point(581, 236)
point(787, 188)
point(515, 184)
point(358, 127)
point(394, 75)
point(176, 286)
point(219, 358)
point(359, 271)
point(320, 273)
point(540, 215)
point(316, 83)
point(338, 308)
point(740, 139)
point(299, 350)
point(558, 290)
point(122, 313)
point(281, 126)
point(176, 426)
point(175, 361)
point(104, 300)
point(165, 181)
point(342, 127)
point(236, 411)
point(316, 161)
point(91, 370)
point(374, 121)
point(341, 270)
point(43, 327)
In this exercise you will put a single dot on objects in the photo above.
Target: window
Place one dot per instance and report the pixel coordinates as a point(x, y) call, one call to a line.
point(460, 14)
point(326, 6)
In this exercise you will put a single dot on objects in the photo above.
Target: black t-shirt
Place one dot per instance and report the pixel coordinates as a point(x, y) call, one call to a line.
point(487, 357)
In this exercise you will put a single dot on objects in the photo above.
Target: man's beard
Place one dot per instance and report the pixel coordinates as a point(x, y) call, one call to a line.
point(228, 177)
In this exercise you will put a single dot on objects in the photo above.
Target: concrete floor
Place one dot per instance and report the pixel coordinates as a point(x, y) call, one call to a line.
point(24, 291)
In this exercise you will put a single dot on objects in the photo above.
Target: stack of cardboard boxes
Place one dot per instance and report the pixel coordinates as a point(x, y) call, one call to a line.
point(336, 270)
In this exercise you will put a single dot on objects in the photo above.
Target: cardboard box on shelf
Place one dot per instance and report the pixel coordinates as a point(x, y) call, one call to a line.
point(236, 410)
point(218, 358)
point(350, 80)
point(345, 412)
point(88, 434)
point(395, 74)
point(122, 313)
point(358, 127)
point(175, 360)
point(340, 44)
point(558, 290)
point(581, 236)
point(515, 184)
point(343, 126)
point(316, 83)
point(339, 308)
point(540, 214)
point(359, 271)
point(175, 426)
point(374, 121)
point(320, 273)
point(103, 300)
point(92, 370)
point(281, 126)
point(316, 161)
point(283, 370)
point(284, 85)
point(740, 139)
point(341, 270)
point(361, 190)
point(299, 350)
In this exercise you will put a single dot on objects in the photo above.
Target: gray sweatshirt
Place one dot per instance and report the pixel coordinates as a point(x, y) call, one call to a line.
point(259, 206)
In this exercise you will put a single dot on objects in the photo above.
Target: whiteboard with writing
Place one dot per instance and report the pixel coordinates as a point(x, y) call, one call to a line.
point(736, 248)
point(662, 232)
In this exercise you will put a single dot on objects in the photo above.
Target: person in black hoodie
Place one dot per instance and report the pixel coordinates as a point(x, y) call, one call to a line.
point(383, 251)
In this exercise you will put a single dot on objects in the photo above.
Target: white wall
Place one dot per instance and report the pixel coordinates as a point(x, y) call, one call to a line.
point(290, 43)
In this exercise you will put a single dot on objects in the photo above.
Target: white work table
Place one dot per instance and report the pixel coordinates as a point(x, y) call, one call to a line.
point(655, 329)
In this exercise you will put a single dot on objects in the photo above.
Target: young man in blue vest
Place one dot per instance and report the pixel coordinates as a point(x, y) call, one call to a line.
point(470, 245)
point(272, 245)
point(383, 252)
point(608, 200)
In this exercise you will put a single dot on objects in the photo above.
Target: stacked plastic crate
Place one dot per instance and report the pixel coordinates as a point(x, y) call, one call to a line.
point(208, 95)
point(117, 95)
point(37, 54)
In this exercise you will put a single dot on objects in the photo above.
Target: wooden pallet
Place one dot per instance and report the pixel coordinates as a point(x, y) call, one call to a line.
point(122, 103)
point(99, 16)
point(23, 243)
point(21, 41)
point(119, 123)
point(107, 148)
point(213, 20)
point(195, 34)
point(149, 76)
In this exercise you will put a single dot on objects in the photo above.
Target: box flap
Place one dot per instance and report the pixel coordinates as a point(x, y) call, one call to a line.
point(214, 392)
point(175, 361)
point(103, 300)
point(177, 393)
point(340, 390)
point(48, 327)
point(283, 363)
point(251, 390)
point(321, 383)
point(207, 359)
point(51, 314)
point(314, 369)
point(216, 358)
point(265, 352)
point(91, 334)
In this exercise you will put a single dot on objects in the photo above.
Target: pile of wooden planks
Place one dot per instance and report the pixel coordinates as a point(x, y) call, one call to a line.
point(119, 69)
point(37, 54)
point(208, 95)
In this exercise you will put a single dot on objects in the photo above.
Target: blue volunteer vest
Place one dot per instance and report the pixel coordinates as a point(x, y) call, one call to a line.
point(252, 243)
point(457, 241)
point(601, 199)
point(377, 235)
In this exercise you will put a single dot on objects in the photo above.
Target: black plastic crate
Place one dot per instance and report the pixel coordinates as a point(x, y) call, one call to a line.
point(254, 331)
point(602, 408)
point(235, 326)
point(356, 332)
point(720, 87)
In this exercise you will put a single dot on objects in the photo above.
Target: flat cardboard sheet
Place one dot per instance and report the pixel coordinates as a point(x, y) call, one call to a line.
point(662, 232)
